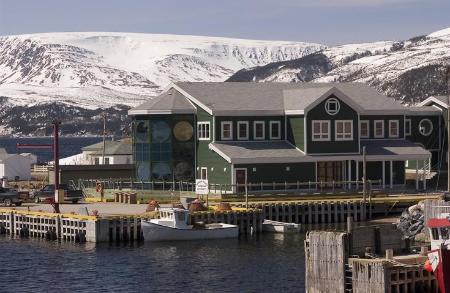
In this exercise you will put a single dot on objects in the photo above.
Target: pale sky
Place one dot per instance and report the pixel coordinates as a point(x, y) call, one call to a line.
point(328, 22)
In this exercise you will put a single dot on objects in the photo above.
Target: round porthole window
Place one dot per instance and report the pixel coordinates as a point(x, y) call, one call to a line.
point(425, 127)
point(332, 106)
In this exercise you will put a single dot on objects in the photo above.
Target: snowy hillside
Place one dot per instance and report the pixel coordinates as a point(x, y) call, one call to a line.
point(94, 70)
point(410, 70)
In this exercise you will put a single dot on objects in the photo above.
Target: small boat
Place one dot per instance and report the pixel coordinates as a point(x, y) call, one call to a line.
point(172, 225)
point(280, 227)
point(439, 255)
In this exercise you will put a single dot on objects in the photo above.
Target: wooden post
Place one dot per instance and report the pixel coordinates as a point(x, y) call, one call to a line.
point(364, 182)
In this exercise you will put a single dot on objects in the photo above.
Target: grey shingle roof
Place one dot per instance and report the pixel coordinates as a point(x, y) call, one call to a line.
point(111, 148)
point(169, 102)
point(400, 149)
point(251, 152)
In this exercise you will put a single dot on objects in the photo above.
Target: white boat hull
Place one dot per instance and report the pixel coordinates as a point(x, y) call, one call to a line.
point(280, 227)
point(156, 232)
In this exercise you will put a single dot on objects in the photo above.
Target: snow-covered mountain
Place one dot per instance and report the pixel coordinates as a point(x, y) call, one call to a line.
point(86, 73)
point(105, 69)
point(410, 70)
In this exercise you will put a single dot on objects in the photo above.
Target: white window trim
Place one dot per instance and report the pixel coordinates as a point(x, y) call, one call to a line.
point(343, 128)
point(398, 128)
point(254, 130)
point(327, 108)
point(408, 121)
point(312, 130)
point(199, 123)
point(222, 123)
point(431, 130)
point(279, 129)
point(239, 137)
point(368, 128)
point(375, 129)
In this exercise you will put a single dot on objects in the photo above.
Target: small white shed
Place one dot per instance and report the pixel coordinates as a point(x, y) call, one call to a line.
point(14, 165)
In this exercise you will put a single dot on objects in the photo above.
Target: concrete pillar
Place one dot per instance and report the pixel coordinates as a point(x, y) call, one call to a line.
point(391, 174)
point(384, 174)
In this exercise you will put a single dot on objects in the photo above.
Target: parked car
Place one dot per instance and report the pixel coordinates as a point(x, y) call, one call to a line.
point(9, 197)
point(48, 192)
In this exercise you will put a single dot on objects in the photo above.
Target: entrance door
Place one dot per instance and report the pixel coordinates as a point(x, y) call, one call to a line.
point(241, 179)
point(329, 172)
point(204, 173)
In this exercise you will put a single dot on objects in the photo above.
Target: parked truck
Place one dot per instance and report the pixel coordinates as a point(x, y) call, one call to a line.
point(9, 197)
point(48, 192)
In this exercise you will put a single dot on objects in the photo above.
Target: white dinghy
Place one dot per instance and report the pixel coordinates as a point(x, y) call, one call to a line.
point(172, 225)
point(280, 227)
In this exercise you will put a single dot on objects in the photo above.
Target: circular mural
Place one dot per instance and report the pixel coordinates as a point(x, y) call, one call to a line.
point(183, 171)
point(160, 131)
point(161, 171)
point(183, 131)
point(143, 171)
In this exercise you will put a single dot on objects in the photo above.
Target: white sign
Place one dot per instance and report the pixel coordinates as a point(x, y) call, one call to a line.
point(201, 186)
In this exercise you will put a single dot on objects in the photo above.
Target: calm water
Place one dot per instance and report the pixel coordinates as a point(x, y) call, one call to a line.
point(69, 146)
point(266, 263)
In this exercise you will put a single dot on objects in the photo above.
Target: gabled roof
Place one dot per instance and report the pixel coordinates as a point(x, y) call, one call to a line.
point(169, 102)
point(424, 110)
point(111, 148)
point(440, 100)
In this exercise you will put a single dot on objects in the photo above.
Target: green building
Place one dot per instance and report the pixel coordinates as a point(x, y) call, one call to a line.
point(264, 133)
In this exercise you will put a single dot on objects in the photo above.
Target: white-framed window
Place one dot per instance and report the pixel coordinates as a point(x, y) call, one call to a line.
point(343, 129)
point(407, 126)
point(242, 130)
point(425, 127)
point(393, 128)
point(364, 129)
point(258, 130)
point(332, 106)
point(203, 129)
point(275, 130)
point(378, 126)
point(320, 130)
point(226, 128)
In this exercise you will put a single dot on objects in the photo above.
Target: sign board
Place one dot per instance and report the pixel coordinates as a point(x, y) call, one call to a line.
point(201, 186)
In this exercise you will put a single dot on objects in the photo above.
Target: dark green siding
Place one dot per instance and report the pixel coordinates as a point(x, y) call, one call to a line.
point(374, 171)
point(430, 142)
point(267, 173)
point(219, 170)
point(249, 119)
point(385, 118)
point(332, 146)
point(296, 131)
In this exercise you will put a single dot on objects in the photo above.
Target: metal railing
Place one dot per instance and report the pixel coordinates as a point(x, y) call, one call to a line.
point(253, 188)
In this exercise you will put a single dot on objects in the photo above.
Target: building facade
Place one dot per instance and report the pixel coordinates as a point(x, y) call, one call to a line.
point(262, 133)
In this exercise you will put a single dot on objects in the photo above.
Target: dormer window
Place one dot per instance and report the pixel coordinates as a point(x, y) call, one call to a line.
point(332, 106)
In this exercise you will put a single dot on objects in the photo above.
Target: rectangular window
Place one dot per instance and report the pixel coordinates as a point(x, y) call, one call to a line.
point(379, 128)
point(106, 162)
point(227, 130)
point(364, 131)
point(407, 126)
point(204, 173)
point(275, 130)
point(242, 130)
point(258, 130)
point(393, 128)
point(320, 130)
point(203, 130)
point(97, 161)
point(344, 129)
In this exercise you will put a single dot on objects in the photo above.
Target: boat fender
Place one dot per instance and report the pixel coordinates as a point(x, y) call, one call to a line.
point(99, 187)
point(427, 266)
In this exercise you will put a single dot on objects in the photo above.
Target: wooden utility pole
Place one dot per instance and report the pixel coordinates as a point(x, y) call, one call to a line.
point(104, 138)
point(447, 80)
point(364, 181)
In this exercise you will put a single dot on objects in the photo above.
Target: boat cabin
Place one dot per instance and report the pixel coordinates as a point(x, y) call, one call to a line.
point(172, 217)
point(440, 231)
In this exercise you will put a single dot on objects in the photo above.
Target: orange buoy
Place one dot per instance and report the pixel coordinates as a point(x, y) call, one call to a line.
point(427, 266)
